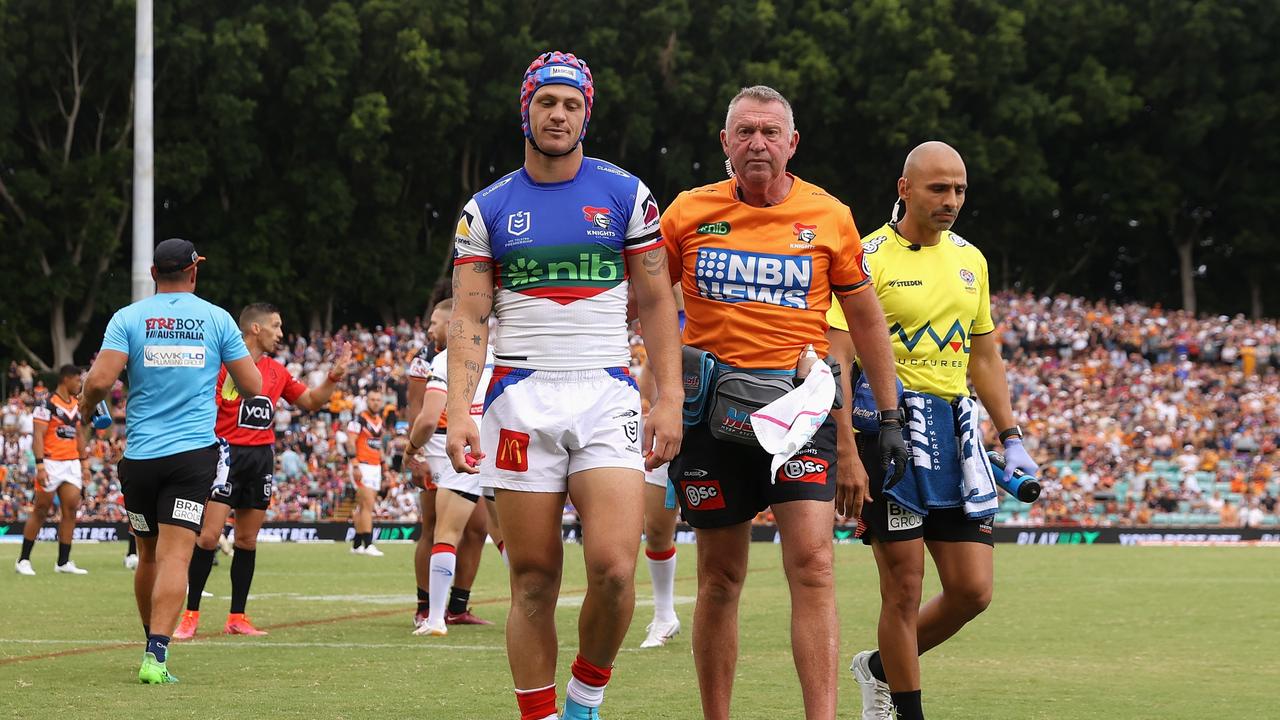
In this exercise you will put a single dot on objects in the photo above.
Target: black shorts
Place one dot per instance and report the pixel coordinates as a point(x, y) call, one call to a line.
point(721, 483)
point(168, 490)
point(249, 479)
point(885, 520)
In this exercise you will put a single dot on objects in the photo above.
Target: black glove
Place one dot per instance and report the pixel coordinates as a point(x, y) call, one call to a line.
point(893, 449)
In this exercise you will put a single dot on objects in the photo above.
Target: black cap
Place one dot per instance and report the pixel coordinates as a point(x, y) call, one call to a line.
point(175, 255)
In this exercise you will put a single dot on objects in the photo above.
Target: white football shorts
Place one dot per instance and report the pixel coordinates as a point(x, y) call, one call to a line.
point(541, 426)
point(62, 471)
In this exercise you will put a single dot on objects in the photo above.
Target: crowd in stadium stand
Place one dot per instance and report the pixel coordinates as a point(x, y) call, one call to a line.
point(1140, 416)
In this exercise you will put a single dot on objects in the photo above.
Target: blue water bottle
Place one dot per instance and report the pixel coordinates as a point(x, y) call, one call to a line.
point(1018, 484)
point(101, 419)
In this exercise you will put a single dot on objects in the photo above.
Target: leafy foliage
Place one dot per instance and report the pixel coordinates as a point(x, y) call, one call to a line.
point(1117, 149)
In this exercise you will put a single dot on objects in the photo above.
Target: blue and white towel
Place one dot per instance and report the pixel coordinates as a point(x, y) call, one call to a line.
point(949, 467)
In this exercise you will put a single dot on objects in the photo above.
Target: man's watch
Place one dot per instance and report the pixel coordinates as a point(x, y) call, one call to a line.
point(1013, 432)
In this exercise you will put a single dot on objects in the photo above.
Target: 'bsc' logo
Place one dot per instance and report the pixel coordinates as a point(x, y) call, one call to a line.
point(810, 470)
point(703, 494)
point(513, 451)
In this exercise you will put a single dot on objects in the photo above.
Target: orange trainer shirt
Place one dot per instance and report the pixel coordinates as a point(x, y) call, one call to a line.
point(757, 282)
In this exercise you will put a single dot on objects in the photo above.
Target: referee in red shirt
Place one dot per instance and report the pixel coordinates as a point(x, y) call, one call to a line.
point(246, 472)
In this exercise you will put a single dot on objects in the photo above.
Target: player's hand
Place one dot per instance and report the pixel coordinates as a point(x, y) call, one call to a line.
point(893, 449)
point(416, 464)
point(663, 431)
point(341, 360)
point(853, 486)
point(463, 445)
point(420, 478)
point(42, 476)
point(1016, 457)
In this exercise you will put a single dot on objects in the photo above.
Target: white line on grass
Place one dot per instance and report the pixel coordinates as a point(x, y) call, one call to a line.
point(268, 644)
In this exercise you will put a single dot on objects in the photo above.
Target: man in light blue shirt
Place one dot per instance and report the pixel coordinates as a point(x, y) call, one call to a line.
point(172, 345)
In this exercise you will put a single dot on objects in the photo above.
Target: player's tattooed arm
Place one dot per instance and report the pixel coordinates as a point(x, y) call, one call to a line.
point(468, 333)
point(655, 261)
point(472, 378)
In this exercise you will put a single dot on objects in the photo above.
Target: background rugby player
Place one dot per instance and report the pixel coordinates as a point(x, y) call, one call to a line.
point(367, 442)
point(457, 496)
point(173, 344)
point(245, 423)
point(60, 470)
point(484, 519)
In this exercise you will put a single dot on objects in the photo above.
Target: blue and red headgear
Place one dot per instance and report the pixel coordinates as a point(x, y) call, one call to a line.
point(555, 68)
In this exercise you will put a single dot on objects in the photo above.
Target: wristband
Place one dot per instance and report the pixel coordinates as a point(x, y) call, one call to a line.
point(894, 416)
point(1012, 432)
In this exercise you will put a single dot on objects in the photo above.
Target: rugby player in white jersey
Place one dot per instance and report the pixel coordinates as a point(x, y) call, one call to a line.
point(483, 521)
point(457, 494)
point(551, 249)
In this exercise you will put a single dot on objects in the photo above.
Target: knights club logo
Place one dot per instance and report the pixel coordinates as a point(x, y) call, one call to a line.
point(806, 233)
point(967, 277)
point(597, 216)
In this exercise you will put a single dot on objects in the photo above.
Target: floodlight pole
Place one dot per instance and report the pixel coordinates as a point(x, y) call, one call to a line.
point(144, 174)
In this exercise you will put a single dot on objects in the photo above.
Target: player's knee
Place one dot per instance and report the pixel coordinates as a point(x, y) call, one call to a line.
point(720, 584)
point(972, 601)
point(534, 588)
point(248, 543)
point(901, 594)
point(810, 570)
point(612, 580)
point(207, 541)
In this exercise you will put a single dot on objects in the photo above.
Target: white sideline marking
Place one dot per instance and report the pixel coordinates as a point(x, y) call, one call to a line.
point(268, 644)
point(566, 600)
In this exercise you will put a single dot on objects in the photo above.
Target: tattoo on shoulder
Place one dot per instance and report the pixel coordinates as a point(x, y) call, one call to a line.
point(655, 261)
point(482, 267)
point(477, 340)
point(455, 330)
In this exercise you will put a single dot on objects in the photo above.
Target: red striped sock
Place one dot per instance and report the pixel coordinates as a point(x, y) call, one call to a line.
point(660, 556)
point(537, 704)
point(442, 547)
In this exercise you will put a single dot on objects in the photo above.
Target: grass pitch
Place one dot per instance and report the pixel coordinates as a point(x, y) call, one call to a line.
point(1074, 632)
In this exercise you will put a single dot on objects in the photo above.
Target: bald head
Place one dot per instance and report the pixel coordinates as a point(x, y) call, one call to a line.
point(932, 187)
point(928, 156)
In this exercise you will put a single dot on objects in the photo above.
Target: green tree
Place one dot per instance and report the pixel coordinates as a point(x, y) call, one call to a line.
point(65, 168)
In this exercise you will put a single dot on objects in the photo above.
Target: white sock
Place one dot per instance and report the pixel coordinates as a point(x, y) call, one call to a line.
point(663, 574)
point(443, 563)
point(584, 694)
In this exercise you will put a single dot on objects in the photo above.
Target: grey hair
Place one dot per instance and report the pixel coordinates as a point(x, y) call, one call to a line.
point(764, 94)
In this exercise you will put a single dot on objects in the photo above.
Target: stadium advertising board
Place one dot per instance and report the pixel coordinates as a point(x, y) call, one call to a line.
point(407, 532)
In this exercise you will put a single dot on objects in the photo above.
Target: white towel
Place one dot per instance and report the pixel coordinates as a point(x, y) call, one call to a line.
point(980, 498)
point(784, 426)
